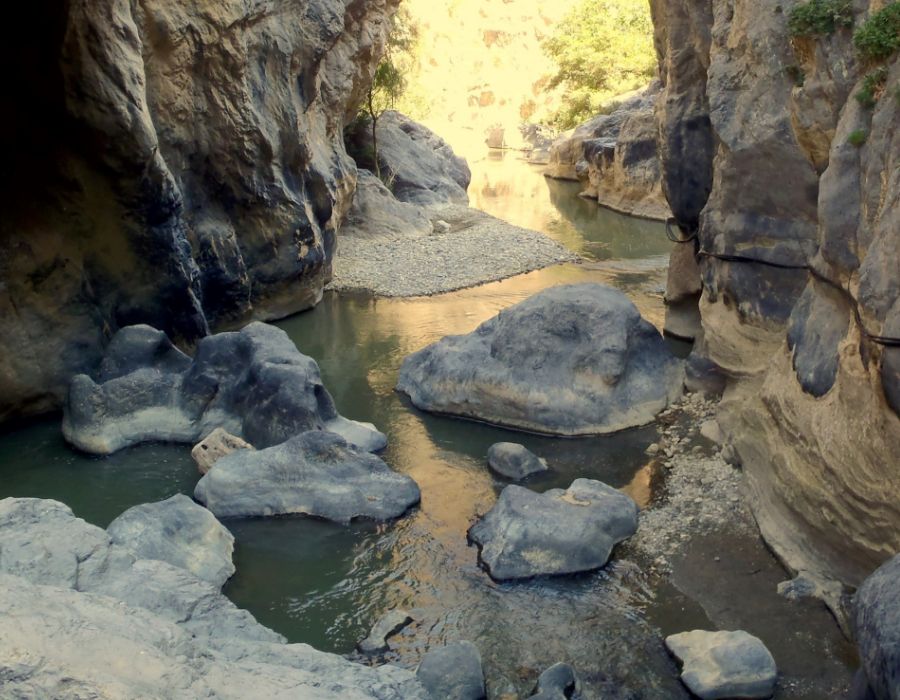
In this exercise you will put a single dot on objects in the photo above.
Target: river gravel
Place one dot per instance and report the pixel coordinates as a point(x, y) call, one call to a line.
point(468, 247)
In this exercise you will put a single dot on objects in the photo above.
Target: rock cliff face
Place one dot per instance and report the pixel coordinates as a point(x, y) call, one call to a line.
point(176, 164)
point(798, 225)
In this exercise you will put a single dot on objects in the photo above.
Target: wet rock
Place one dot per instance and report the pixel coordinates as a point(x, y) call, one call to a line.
point(214, 446)
point(387, 626)
point(572, 360)
point(877, 629)
point(556, 683)
point(529, 534)
point(179, 532)
point(420, 166)
point(254, 384)
point(316, 473)
point(453, 672)
point(724, 664)
point(514, 461)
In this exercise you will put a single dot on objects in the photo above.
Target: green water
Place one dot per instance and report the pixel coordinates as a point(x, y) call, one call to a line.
point(325, 584)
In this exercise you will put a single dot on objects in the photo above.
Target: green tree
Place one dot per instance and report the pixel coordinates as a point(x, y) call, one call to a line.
point(602, 48)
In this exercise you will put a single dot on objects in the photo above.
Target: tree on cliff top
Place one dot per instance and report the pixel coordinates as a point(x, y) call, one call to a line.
point(602, 48)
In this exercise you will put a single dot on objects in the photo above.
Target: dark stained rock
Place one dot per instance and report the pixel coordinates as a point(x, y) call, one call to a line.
point(529, 534)
point(572, 360)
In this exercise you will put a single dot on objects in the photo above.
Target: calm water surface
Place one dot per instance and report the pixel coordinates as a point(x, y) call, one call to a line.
point(325, 584)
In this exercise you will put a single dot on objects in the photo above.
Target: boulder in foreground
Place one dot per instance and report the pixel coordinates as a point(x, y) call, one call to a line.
point(572, 360)
point(529, 534)
point(316, 473)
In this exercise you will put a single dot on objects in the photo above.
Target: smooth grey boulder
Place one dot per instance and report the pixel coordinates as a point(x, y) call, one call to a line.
point(876, 627)
point(453, 672)
point(254, 384)
point(376, 212)
point(572, 360)
point(529, 534)
point(386, 626)
point(316, 473)
point(215, 446)
point(179, 532)
point(558, 682)
point(514, 461)
point(719, 665)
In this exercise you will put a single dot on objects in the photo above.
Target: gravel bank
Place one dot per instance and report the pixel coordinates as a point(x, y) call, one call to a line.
point(466, 248)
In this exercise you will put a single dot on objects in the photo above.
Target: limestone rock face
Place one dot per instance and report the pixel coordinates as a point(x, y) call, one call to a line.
point(799, 237)
point(180, 532)
point(529, 534)
point(316, 473)
point(254, 383)
point(83, 617)
point(176, 164)
point(572, 360)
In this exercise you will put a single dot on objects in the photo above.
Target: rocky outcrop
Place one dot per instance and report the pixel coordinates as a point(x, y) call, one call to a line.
point(572, 360)
point(615, 158)
point(254, 383)
point(788, 181)
point(315, 473)
point(85, 617)
point(529, 534)
point(179, 165)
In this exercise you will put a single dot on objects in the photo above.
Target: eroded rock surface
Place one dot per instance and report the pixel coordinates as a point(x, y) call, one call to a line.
point(572, 360)
point(254, 383)
point(529, 534)
point(316, 473)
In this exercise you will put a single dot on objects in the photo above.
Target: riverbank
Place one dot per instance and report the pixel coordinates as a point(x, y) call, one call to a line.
point(466, 247)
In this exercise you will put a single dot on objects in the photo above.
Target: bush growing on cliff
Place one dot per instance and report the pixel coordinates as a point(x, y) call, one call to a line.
point(602, 48)
point(873, 87)
point(820, 17)
point(879, 37)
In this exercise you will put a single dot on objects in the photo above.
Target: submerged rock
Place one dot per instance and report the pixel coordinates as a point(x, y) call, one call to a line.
point(254, 384)
point(556, 683)
point(214, 446)
point(316, 473)
point(453, 672)
point(387, 626)
point(724, 664)
point(180, 532)
point(530, 534)
point(877, 630)
point(572, 360)
point(514, 461)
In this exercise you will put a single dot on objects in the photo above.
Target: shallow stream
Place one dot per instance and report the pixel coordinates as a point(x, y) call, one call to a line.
point(324, 584)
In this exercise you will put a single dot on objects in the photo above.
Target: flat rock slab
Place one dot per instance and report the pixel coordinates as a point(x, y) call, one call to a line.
point(254, 384)
point(387, 626)
point(529, 534)
point(572, 360)
point(877, 629)
point(316, 473)
point(514, 461)
point(180, 532)
point(719, 665)
point(453, 672)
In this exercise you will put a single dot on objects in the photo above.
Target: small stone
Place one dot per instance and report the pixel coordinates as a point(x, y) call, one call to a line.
point(387, 626)
point(514, 461)
point(712, 432)
point(216, 445)
point(653, 450)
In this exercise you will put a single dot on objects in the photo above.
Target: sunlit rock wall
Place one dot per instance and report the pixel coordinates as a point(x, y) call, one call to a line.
point(799, 237)
point(173, 163)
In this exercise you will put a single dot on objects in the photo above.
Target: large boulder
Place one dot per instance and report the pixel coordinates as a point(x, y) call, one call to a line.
point(877, 630)
point(180, 532)
point(376, 213)
point(316, 473)
point(419, 165)
point(721, 665)
point(572, 360)
point(254, 383)
point(453, 672)
point(529, 534)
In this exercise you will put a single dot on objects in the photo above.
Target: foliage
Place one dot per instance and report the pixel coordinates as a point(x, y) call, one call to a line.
point(857, 138)
point(601, 48)
point(820, 17)
point(879, 36)
point(796, 74)
point(872, 87)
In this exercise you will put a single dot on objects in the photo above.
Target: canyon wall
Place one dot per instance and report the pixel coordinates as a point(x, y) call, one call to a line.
point(792, 187)
point(177, 164)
